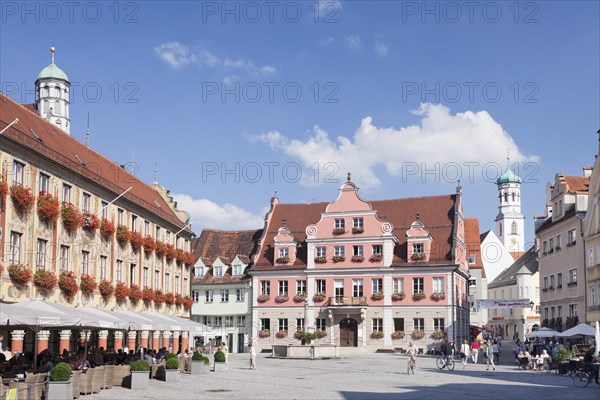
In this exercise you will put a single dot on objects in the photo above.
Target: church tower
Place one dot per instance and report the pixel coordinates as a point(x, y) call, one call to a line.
point(52, 89)
point(510, 223)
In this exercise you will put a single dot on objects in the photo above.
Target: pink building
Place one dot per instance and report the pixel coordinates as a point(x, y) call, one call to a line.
point(369, 274)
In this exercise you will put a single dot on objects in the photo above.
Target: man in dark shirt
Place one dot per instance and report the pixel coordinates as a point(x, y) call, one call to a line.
point(588, 359)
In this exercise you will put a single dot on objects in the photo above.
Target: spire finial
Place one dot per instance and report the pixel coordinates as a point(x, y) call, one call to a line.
point(52, 50)
point(349, 177)
point(508, 159)
point(275, 195)
point(155, 173)
point(284, 222)
point(418, 216)
point(87, 132)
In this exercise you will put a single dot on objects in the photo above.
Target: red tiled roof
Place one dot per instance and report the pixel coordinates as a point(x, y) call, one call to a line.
point(577, 184)
point(472, 239)
point(436, 212)
point(64, 149)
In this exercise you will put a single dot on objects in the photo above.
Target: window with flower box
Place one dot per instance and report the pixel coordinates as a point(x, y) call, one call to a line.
point(156, 279)
point(377, 325)
point(438, 284)
point(321, 286)
point(340, 223)
point(224, 295)
point(338, 251)
point(320, 324)
point(64, 258)
point(66, 193)
point(418, 285)
point(398, 285)
point(283, 324)
point(321, 251)
point(377, 249)
point(377, 285)
point(265, 287)
point(438, 324)
point(299, 324)
point(265, 324)
point(208, 296)
point(301, 287)
point(85, 262)
point(357, 250)
point(119, 270)
point(44, 182)
point(239, 295)
point(283, 288)
point(398, 324)
point(357, 288)
point(419, 324)
point(18, 173)
point(40, 254)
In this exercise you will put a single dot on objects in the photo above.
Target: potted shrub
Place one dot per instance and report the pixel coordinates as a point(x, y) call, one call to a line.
point(319, 296)
point(220, 361)
point(304, 337)
point(169, 298)
point(200, 364)
point(398, 296)
point(140, 375)
point(188, 302)
point(20, 274)
point(178, 300)
point(172, 370)
point(60, 385)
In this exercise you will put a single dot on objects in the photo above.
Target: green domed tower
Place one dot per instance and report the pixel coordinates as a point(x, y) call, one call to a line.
point(52, 90)
point(510, 223)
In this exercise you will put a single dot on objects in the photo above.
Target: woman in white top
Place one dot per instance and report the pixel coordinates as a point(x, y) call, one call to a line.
point(464, 352)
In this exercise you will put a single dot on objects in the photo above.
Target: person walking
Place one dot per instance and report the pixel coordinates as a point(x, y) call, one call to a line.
point(488, 350)
point(464, 353)
point(411, 352)
point(496, 347)
point(475, 350)
point(252, 356)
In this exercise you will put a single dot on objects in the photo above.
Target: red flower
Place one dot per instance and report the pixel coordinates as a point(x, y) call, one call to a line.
point(187, 302)
point(45, 280)
point(178, 300)
point(159, 297)
point(136, 240)
point(107, 228)
point(20, 274)
point(87, 285)
point(179, 256)
point(90, 222)
point(1, 269)
point(71, 217)
point(123, 235)
point(121, 291)
point(149, 245)
point(171, 253)
point(47, 207)
point(68, 284)
point(135, 293)
point(188, 258)
point(148, 295)
point(169, 298)
point(3, 192)
point(22, 198)
point(161, 248)
point(106, 289)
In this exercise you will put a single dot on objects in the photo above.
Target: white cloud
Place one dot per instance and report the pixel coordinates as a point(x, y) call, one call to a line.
point(205, 213)
point(380, 48)
point(178, 56)
point(353, 41)
point(440, 140)
point(326, 41)
point(229, 79)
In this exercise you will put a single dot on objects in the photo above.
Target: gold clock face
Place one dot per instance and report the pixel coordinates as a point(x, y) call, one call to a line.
point(513, 241)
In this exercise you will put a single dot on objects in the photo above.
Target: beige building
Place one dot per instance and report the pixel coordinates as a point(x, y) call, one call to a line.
point(558, 232)
point(591, 234)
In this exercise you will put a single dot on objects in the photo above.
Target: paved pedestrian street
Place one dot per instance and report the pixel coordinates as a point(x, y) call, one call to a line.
point(358, 377)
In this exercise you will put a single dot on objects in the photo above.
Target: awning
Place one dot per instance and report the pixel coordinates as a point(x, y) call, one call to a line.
point(543, 333)
point(177, 323)
point(135, 321)
point(37, 313)
point(580, 330)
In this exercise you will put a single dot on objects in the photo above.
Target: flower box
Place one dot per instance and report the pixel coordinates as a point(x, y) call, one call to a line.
point(339, 231)
point(123, 235)
point(179, 256)
point(121, 291)
point(418, 256)
point(87, 285)
point(264, 333)
point(48, 207)
point(45, 280)
point(135, 293)
point(20, 274)
point(169, 298)
point(358, 230)
point(319, 296)
point(283, 260)
point(149, 245)
point(438, 335)
point(263, 298)
point(376, 257)
point(398, 296)
point(300, 297)
point(437, 296)
point(376, 335)
point(90, 223)
point(320, 259)
point(187, 302)
point(148, 295)
point(161, 248)
point(107, 228)
point(159, 297)
point(281, 334)
point(71, 217)
point(137, 241)
point(417, 335)
point(377, 296)
point(418, 296)
point(68, 284)
point(337, 259)
point(282, 298)
point(178, 300)
point(320, 333)
point(397, 335)
point(170, 253)
point(106, 289)
point(357, 258)
point(22, 198)
point(3, 193)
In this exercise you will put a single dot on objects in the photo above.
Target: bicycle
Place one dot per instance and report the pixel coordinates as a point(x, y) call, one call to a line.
point(582, 378)
point(445, 362)
point(411, 365)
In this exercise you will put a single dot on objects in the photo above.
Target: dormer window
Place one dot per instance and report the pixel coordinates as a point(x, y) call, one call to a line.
point(284, 252)
point(237, 270)
point(198, 272)
point(472, 258)
point(217, 271)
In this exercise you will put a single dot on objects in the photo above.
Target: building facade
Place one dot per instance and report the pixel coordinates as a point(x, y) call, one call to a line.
point(591, 235)
point(75, 226)
point(562, 268)
point(477, 277)
point(221, 287)
point(366, 274)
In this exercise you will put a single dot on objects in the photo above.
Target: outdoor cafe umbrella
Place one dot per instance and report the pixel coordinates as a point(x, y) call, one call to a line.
point(543, 333)
point(580, 330)
point(597, 337)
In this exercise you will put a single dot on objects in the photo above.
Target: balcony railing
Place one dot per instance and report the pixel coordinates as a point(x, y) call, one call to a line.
point(347, 301)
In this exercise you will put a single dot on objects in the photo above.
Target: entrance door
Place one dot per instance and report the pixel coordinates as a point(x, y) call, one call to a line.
point(348, 333)
point(241, 338)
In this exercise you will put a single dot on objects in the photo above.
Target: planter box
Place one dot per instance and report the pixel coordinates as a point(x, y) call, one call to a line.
point(139, 380)
point(199, 368)
point(220, 366)
point(60, 390)
point(172, 375)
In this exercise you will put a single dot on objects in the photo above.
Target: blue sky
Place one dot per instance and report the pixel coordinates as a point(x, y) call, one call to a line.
point(330, 86)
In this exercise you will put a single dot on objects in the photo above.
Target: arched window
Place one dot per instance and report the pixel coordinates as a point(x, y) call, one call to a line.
point(46, 91)
point(506, 196)
point(513, 196)
point(513, 229)
point(500, 230)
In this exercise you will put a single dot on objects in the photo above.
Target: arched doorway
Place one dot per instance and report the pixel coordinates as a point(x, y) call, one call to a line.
point(348, 333)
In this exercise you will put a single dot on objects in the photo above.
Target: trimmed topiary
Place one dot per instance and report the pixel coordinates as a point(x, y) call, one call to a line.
point(197, 356)
point(172, 363)
point(170, 356)
point(140, 365)
point(60, 373)
point(219, 356)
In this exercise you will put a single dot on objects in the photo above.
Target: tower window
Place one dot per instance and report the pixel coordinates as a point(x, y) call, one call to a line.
point(514, 230)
